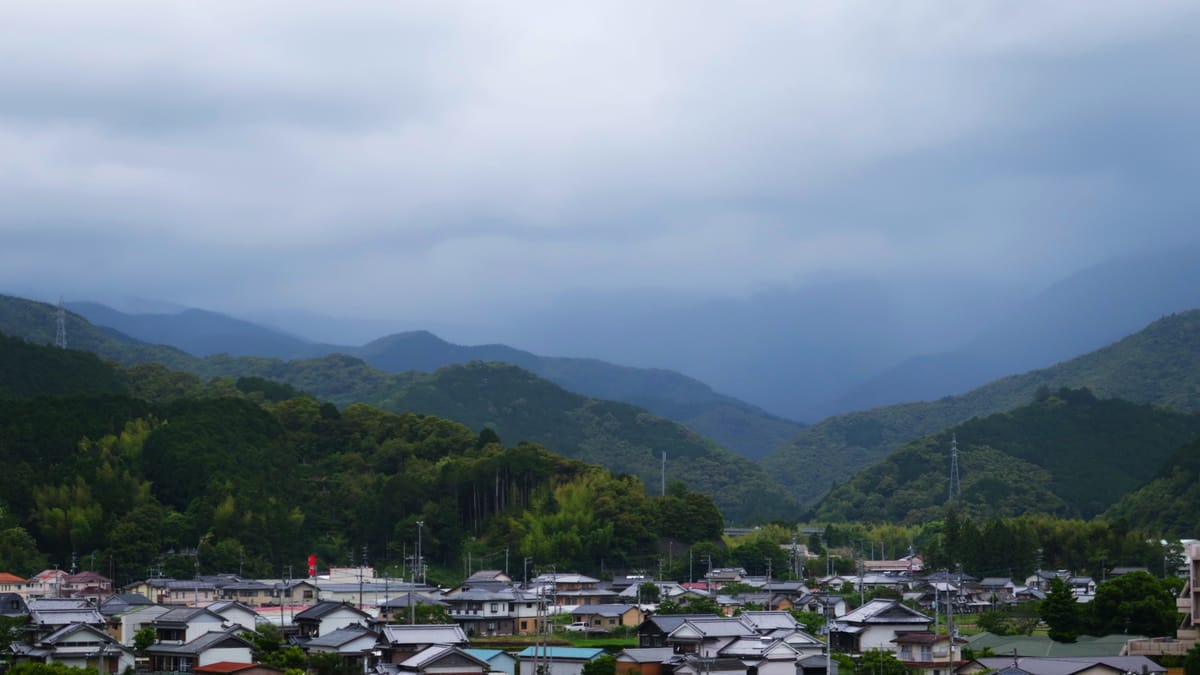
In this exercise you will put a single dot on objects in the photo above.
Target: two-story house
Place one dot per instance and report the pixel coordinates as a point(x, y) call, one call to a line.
point(874, 626)
point(209, 648)
point(184, 624)
point(399, 642)
point(11, 583)
point(327, 616)
point(928, 653)
point(78, 645)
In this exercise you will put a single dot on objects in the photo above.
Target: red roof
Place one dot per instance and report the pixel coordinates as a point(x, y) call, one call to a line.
point(230, 667)
point(9, 578)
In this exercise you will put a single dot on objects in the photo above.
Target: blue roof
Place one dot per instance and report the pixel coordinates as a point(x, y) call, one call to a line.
point(485, 654)
point(582, 653)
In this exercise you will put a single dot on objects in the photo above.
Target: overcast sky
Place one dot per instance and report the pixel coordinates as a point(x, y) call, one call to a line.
point(435, 159)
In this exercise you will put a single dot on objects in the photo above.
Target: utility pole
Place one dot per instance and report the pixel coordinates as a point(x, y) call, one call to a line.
point(420, 558)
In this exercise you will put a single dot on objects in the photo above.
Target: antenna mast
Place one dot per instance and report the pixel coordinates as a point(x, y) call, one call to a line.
point(60, 334)
point(955, 486)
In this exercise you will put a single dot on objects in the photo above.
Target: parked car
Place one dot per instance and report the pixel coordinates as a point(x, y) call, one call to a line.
point(581, 627)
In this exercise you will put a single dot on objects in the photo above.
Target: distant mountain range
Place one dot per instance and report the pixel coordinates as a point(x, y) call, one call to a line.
point(1084, 312)
point(516, 403)
point(1158, 365)
point(739, 426)
point(1068, 453)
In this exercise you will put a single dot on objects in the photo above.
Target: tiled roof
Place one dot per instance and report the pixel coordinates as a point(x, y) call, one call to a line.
point(230, 667)
point(424, 634)
point(10, 578)
point(580, 653)
point(646, 654)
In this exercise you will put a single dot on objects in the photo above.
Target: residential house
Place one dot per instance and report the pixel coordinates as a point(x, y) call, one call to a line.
point(654, 630)
point(1083, 588)
point(207, 649)
point(1187, 635)
point(667, 590)
point(498, 660)
point(125, 625)
point(928, 653)
point(355, 644)
point(555, 660)
point(236, 613)
point(123, 602)
point(765, 656)
point(696, 665)
point(249, 592)
point(11, 583)
point(444, 659)
point(13, 605)
point(327, 616)
point(608, 617)
point(484, 576)
point(398, 606)
point(90, 585)
point(402, 641)
point(996, 591)
point(1126, 569)
point(77, 645)
point(874, 626)
point(725, 575)
point(706, 637)
point(481, 611)
point(45, 584)
point(234, 668)
point(47, 615)
point(297, 592)
point(183, 624)
point(644, 660)
point(571, 589)
point(1064, 665)
point(189, 592)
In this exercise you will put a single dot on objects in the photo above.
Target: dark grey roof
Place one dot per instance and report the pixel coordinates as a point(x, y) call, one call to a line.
point(324, 608)
point(341, 636)
point(183, 615)
point(211, 639)
point(601, 610)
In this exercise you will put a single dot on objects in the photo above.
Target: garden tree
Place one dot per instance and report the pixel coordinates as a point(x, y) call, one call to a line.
point(266, 638)
point(331, 664)
point(143, 639)
point(1060, 612)
point(759, 555)
point(601, 665)
point(812, 621)
point(424, 614)
point(1135, 603)
point(649, 592)
point(702, 605)
point(878, 662)
point(288, 658)
point(1191, 661)
point(11, 629)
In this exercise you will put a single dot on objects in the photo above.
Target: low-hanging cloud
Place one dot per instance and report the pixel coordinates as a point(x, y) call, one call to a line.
point(246, 154)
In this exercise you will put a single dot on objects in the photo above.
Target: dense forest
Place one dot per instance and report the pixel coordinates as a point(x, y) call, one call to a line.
point(1066, 453)
point(1159, 365)
point(251, 476)
point(509, 400)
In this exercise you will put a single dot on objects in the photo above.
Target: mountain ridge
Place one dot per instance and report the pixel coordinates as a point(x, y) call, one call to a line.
point(734, 424)
point(1159, 364)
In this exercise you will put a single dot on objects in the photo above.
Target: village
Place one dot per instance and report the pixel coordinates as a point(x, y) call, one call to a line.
point(368, 624)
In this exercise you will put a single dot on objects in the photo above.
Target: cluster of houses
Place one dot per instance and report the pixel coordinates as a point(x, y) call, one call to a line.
point(200, 625)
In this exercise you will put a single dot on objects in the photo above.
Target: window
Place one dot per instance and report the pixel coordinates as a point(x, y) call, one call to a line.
point(495, 607)
point(926, 653)
point(524, 625)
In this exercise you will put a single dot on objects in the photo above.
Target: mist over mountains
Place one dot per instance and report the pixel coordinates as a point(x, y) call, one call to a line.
point(799, 354)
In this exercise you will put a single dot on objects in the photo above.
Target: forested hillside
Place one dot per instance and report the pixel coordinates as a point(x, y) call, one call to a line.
point(520, 406)
point(736, 425)
point(1158, 365)
point(255, 479)
point(517, 404)
point(1068, 454)
point(1170, 503)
